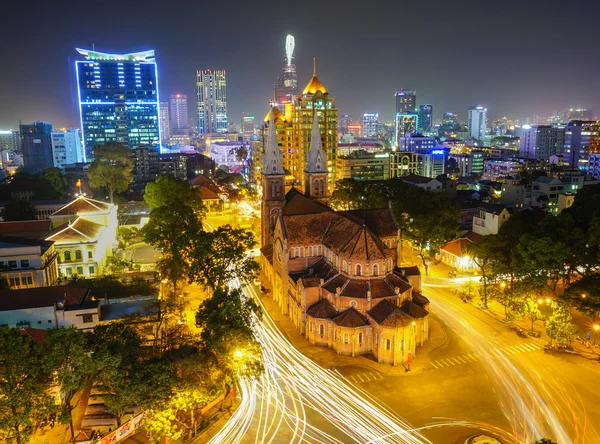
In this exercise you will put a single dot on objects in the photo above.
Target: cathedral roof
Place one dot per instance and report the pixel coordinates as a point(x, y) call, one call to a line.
point(387, 314)
point(272, 158)
point(314, 86)
point(348, 238)
point(413, 310)
point(321, 310)
point(316, 156)
point(379, 220)
point(277, 114)
point(350, 318)
point(419, 299)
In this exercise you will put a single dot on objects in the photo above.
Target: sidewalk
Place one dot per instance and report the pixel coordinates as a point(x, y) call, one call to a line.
point(328, 358)
point(219, 418)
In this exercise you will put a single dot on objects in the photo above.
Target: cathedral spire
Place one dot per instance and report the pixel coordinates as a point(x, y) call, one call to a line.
point(272, 159)
point(316, 156)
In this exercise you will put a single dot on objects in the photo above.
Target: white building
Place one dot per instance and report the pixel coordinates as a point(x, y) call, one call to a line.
point(541, 141)
point(477, 122)
point(427, 183)
point(513, 194)
point(66, 148)
point(544, 191)
point(489, 218)
point(495, 168)
point(163, 116)
point(27, 263)
point(370, 122)
point(226, 153)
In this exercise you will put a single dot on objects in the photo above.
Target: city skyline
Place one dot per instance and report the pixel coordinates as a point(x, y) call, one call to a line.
point(455, 69)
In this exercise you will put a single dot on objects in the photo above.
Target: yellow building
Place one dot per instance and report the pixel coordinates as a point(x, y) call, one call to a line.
point(293, 129)
point(403, 163)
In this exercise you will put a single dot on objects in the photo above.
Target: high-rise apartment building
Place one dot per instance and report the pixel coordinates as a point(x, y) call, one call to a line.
point(211, 91)
point(425, 118)
point(179, 124)
point(118, 99)
point(163, 117)
point(10, 140)
point(406, 123)
point(247, 126)
point(406, 101)
point(580, 114)
point(582, 138)
point(344, 122)
point(36, 145)
point(66, 148)
point(541, 141)
point(369, 127)
point(286, 86)
point(477, 122)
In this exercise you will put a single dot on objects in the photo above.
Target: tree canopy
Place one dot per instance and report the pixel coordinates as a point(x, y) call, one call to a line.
point(17, 209)
point(167, 191)
point(112, 168)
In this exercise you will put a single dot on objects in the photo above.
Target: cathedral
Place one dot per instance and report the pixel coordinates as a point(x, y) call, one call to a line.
point(336, 273)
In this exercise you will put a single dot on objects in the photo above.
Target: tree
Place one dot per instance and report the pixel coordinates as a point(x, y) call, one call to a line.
point(558, 325)
point(55, 178)
point(584, 294)
point(531, 310)
point(69, 354)
point(17, 209)
point(24, 402)
point(544, 441)
point(483, 255)
point(167, 191)
point(112, 168)
point(126, 236)
point(218, 256)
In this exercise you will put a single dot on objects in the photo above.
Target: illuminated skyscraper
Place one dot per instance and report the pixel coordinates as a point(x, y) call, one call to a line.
point(370, 122)
point(406, 123)
point(10, 140)
point(118, 99)
point(406, 101)
point(36, 146)
point(286, 87)
point(66, 148)
point(211, 91)
point(163, 116)
point(179, 124)
point(425, 118)
point(247, 126)
point(477, 122)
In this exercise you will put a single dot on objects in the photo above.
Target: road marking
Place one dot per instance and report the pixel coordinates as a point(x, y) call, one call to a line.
point(353, 379)
point(455, 360)
point(461, 359)
point(433, 363)
point(448, 362)
point(532, 347)
point(361, 379)
point(522, 348)
point(366, 377)
point(377, 376)
point(474, 356)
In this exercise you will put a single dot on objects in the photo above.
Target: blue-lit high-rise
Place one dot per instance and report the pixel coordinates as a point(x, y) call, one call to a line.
point(118, 99)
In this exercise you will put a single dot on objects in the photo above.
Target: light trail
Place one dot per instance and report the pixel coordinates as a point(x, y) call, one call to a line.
point(292, 386)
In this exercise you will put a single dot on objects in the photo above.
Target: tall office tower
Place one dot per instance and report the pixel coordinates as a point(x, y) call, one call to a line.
point(449, 117)
point(344, 122)
point(582, 138)
point(118, 99)
point(179, 124)
point(477, 122)
point(247, 126)
point(580, 114)
point(163, 116)
point(425, 118)
point(541, 141)
point(36, 145)
point(406, 123)
point(406, 101)
point(66, 148)
point(211, 91)
point(286, 87)
point(370, 122)
point(10, 140)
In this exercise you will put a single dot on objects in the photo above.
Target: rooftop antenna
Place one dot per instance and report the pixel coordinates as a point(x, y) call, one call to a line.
point(314, 66)
point(93, 47)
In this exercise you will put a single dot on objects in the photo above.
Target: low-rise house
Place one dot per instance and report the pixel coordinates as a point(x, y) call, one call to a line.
point(28, 263)
point(457, 253)
point(427, 183)
point(489, 218)
point(33, 229)
point(212, 196)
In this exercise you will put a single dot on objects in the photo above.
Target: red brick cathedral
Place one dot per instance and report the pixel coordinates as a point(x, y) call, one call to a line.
point(335, 273)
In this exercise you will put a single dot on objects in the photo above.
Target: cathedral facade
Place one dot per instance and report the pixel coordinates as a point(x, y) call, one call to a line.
point(335, 273)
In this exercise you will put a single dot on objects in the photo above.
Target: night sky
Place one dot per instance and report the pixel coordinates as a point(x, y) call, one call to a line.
point(517, 58)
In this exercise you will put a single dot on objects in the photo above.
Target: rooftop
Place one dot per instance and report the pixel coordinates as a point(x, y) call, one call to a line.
point(35, 229)
point(84, 205)
point(414, 178)
point(42, 297)
point(81, 230)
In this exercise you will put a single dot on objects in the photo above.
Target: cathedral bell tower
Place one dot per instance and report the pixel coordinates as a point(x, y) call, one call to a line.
point(273, 186)
point(315, 174)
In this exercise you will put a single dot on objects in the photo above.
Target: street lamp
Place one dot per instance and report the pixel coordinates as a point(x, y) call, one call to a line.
point(596, 328)
point(548, 300)
point(540, 301)
point(503, 284)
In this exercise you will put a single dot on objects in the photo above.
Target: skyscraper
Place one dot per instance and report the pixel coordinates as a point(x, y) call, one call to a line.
point(36, 145)
point(211, 91)
point(425, 118)
point(118, 99)
point(406, 101)
point(370, 122)
point(541, 141)
point(66, 148)
point(477, 122)
point(580, 114)
point(163, 117)
point(286, 87)
point(582, 138)
point(247, 126)
point(406, 123)
point(10, 140)
point(179, 124)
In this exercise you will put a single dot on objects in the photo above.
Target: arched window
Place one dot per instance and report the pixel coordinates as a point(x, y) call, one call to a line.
point(316, 186)
point(353, 304)
point(358, 270)
point(291, 253)
point(320, 251)
point(296, 252)
point(346, 338)
point(377, 339)
point(321, 330)
point(388, 344)
point(360, 338)
point(309, 252)
point(344, 266)
point(375, 270)
point(78, 255)
point(301, 251)
point(334, 334)
point(67, 255)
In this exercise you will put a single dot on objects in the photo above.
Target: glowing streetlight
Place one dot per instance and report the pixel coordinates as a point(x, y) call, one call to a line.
point(548, 300)
point(596, 327)
point(540, 301)
point(503, 284)
point(583, 295)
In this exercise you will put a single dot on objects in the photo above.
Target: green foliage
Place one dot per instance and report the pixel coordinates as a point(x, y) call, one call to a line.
point(168, 191)
point(24, 402)
point(56, 179)
point(111, 169)
point(218, 256)
point(110, 286)
point(127, 236)
point(558, 325)
point(584, 294)
point(17, 209)
point(531, 310)
point(544, 441)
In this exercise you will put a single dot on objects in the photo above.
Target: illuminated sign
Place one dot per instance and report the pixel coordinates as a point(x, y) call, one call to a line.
point(437, 152)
